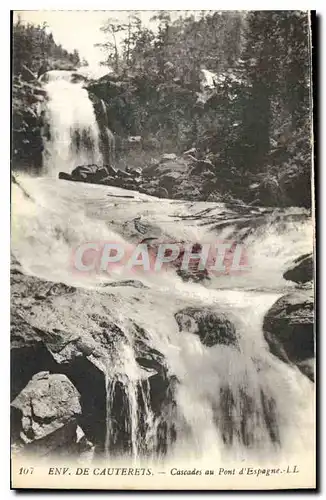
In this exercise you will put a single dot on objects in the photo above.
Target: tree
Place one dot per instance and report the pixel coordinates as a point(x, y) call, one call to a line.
point(111, 28)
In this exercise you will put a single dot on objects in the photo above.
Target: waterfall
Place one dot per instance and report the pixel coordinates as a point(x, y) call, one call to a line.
point(216, 402)
point(227, 401)
point(72, 134)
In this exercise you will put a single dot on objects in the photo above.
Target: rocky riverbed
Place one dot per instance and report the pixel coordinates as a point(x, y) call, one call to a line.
point(120, 364)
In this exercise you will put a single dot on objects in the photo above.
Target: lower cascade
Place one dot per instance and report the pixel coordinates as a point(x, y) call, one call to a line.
point(163, 366)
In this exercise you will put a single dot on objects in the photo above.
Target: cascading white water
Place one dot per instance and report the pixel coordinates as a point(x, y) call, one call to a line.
point(59, 216)
point(72, 133)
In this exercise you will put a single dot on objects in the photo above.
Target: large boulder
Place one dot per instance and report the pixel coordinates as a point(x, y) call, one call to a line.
point(64, 176)
point(48, 408)
point(165, 166)
point(73, 331)
point(89, 173)
point(106, 175)
point(301, 270)
point(258, 411)
point(289, 330)
point(27, 125)
point(211, 326)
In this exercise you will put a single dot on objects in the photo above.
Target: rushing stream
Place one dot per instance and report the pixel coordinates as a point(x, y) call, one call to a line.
point(57, 216)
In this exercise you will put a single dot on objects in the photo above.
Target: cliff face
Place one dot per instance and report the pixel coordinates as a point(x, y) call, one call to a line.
point(27, 122)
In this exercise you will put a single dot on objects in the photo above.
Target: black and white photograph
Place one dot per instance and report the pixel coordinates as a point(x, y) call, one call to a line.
point(162, 250)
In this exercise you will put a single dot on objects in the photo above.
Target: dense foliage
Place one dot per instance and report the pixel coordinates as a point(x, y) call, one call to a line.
point(234, 87)
point(33, 46)
point(253, 123)
point(34, 51)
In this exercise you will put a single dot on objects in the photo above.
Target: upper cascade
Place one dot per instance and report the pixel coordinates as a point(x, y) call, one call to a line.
point(71, 133)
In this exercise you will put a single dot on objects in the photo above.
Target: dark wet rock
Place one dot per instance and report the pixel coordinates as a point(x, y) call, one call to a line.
point(133, 283)
point(89, 173)
point(64, 176)
point(155, 399)
point(211, 326)
point(48, 407)
point(203, 167)
point(241, 426)
point(168, 157)
point(134, 140)
point(70, 331)
point(301, 271)
point(15, 267)
point(193, 272)
point(106, 175)
point(155, 393)
point(168, 177)
point(158, 169)
point(55, 334)
point(119, 439)
point(307, 366)
point(160, 192)
point(45, 312)
point(168, 181)
point(162, 396)
point(27, 74)
point(289, 330)
point(27, 122)
point(146, 356)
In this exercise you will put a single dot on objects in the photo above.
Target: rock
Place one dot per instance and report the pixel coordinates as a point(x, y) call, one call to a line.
point(162, 401)
point(65, 176)
point(108, 181)
point(48, 404)
point(137, 172)
point(78, 78)
point(215, 196)
point(192, 273)
point(146, 356)
point(151, 144)
point(301, 270)
point(289, 330)
point(192, 151)
point(37, 319)
point(160, 192)
point(174, 176)
point(105, 175)
point(110, 170)
point(238, 426)
point(158, 168)
point(168, 181)
point(15, 266)
point(203, 166)
point(89, 173)
point(133, 283)
point(211, 326)
point(72, 331)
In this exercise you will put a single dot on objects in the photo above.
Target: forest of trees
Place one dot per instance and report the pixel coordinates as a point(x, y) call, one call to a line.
point(33, 46)
point(34, 51)
point(253, 125)
point(257, 120)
